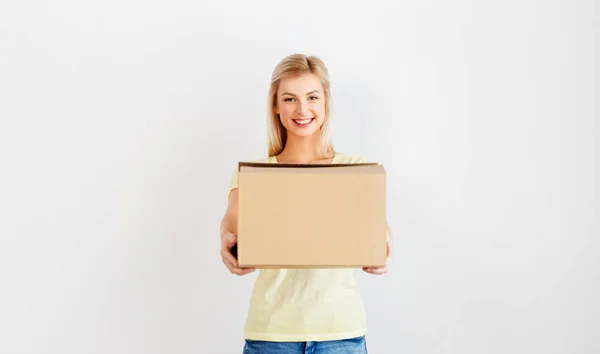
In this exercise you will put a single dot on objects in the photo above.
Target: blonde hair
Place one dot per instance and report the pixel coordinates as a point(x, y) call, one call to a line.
point(295, 65)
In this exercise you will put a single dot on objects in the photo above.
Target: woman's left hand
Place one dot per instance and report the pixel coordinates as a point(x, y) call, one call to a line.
point(383, 269)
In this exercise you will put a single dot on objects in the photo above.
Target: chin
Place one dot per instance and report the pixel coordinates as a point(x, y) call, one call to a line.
point(303, 133)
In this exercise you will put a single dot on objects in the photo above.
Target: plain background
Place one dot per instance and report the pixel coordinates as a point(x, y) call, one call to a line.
point(121, 122)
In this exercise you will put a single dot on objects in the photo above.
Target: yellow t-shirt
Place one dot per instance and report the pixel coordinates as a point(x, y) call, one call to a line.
point(305, 304)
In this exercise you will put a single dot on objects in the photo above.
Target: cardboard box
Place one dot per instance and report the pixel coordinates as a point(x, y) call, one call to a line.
point(311, 216)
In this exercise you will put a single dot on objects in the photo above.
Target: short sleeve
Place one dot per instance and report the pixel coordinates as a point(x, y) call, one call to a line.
point(362, 159)
point(350, 159)
point(233, 183)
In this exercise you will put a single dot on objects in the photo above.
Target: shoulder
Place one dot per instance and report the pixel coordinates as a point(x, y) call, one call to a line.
point(343, 158)
point(269, 159)
point(233, 183)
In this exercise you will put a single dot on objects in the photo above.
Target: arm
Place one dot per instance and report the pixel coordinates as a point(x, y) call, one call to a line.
point(229, 235)
point(384, 269)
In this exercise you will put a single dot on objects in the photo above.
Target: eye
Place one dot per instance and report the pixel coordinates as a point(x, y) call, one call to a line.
point(289, 99)
point(313, 98)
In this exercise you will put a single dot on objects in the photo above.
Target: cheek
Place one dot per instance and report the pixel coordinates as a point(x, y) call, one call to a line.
point(319, 110)
point(285, 111)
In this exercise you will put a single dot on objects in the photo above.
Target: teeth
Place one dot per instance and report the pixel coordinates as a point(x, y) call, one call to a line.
point(303, 121)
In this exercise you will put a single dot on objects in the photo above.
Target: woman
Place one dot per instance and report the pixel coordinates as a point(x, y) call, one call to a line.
point(300, 310)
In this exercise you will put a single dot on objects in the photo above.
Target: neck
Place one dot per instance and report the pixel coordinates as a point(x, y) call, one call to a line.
point(302, 149)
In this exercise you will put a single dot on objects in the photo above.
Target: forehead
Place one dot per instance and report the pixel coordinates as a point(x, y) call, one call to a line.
point(300, 85)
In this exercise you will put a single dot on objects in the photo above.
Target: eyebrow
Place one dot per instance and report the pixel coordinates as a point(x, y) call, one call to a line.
point(291, 94)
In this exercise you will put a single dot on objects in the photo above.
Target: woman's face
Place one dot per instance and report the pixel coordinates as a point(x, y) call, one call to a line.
point(301, 104)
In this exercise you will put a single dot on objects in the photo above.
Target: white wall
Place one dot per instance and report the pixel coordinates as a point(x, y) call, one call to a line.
point(121, 122)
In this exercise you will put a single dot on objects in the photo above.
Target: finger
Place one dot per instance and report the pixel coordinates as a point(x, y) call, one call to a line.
point(376, 270)
point(229, 240)
point(389, 250)
point(229, 265)
point(227, 243)
point(229, 258)
point(236, 270)
point(388, 246)
point(233, 266)
point(380, 271)
point(244, 271)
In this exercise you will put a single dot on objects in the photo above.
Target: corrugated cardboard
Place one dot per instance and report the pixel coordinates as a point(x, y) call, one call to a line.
point(311, 216)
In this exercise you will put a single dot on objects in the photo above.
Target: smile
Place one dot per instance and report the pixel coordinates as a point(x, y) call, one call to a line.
point(304, 121)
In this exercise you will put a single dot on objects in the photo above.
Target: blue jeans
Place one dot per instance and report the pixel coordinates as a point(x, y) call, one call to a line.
point(344, 346)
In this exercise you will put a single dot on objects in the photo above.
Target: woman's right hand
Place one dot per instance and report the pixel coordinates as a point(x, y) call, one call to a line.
point(229, 237)
point(228, 240)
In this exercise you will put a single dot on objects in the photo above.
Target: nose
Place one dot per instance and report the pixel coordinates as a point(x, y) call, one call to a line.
point(302, 109)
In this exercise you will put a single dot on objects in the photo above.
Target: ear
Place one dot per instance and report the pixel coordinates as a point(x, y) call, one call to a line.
point(276, 109)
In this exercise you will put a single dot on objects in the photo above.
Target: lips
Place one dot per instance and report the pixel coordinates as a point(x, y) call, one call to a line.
point(303, 121)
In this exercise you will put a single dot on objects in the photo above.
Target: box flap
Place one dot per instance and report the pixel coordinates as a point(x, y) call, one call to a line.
point(299, 165)
point(360, 168)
